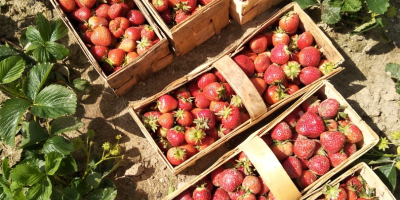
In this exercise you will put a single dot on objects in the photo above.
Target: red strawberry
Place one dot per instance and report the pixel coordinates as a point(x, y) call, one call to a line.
point(150, 120)
point(183, 117)
point(311, 104)
point(84, 27)
point(268, 33)
point(95, 22)
point(130, 57)
point(351, 194)
point(180, 16)
point(190, 150)
point(162, 132)
point(291, 69)
point(228, 91)
point(334, 193)
point(176, 136)
point(167, 103)
point(193, 88)
point(249, 53)
point(160, 5)
point(355, 181)
point(216, 176)
point(206, 79)
point(133, 33)
point(148, 32)
point(117, 10)
point(332, 141)
point(185, 195)
point(101, 36)
point(201, 100)
point(102, 11)
point(319, 164)
point(280, 54)
point(176, 156)
point(304, 148)
point(304, 163)
point(218, 106)
point(331, 125)
point(85, 3)
point(309, 56)
point(236, 194)
point(194, 136)
point(280, 37)
point(185, 104)
point(181, 93)
point(325, 67)
point(264, 187)
point(281, 132)
point(245, 63)
point(306, 39)
point(247, 196)
point(214, 91)
point(230, 179)
point(201, 193)
point(262, 62)
point(309, 74)
point(166, 16)
point(258, 43)
point(116, 57)
point(328, 108)
point(352, 133)
point(259, 84)
point(261, 198)
point(290, 119)
point(298, 112)
point(220, 194)
point(187, 5)
point(212, 132)
point(166, 120)
point(128, 45)
point(219, 76)
point(282, 150)
point(99, 52)
point(81, 14)
point(319, 150)
point(118, 26)
point(163, 144)
point(274, 75)
point(310, 125)
point(205, 119)
point(143, 46)
point(252, 184)
point(306, 178)
point(135, 18)
point(349, 149)
point(236, 101)
point(204, 2)
point(289, 22)
point(67, 5)
point(206, 142)
point(230, 117)
point(274, 94)
point(337, 158)
point(292, 88)
point(292, 166)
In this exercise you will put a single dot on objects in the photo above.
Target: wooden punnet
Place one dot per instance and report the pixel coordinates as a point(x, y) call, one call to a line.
point(196, 29)
point(243, 11)
point(268, 166)
point(241, 84)
point(371, 179)
point(154, 59)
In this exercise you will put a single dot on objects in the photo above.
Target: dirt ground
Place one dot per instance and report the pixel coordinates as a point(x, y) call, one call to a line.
point(364, 83)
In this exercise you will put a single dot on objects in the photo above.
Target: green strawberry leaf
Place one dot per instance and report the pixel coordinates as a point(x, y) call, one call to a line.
point(393, 69)
point(10, 117)
point(58, 144)
point(388, 175)
point(351, 6)
point(81, 85)
point(58, 51)
point(336, 3)
point(36, 78)
point(365, 27)
point(40, 191)
point(6, 51)
point(52, 162)
point(58, 30)
point(330, 14)
point(93, 179)
point(33, 133)
point(306, 3)
point(70, 194)
point(5, 169)
point(41, 54)
point(44, 26)
point(102, 194)
point(378, 6)
point(80, 185)
point(67, 165)
point(54, 101)
point(33, 35)
point(11, 69)
point(27, 174)
point(65, 124)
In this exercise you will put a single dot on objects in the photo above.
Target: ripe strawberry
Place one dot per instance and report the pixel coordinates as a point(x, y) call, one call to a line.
point(176, 156)
point(162, 132)
point(309, 56)
point(218, 106)
point(101, 36)
point(219, 76)
point(291, 69)
point(228, 91)
point(160, 5)
point(163, 144)
point(135, 17)
point(183, 117)
point(193, 88)
point(194, 136)
point(337, 158)
point(274, 75)
point(259, 84)
point(190, 150)
point(304, 164)
point(85, 3)
point(280, 37)
point(116, 57)
point(204, 2)
point(236, 194)
point(309, 74)
point(247, 196)
point(181, 93)
point(334, 193)
point(143, 46)
point(310, 125)
point(201, 193)
point(128, 45)
point(236, 101)
point(95, 22)
point(130, 57)
point(292, 167)
point(282, 150)
point(167, 103)
point(81, 14)
point(305, 40)
point(328, 108)
point(181, 15)
point(212, 132)
point(280, 54)
point(185, 103)
point(355, 182)
point(351, 194)
point(230, 117)
point(206, 79)
point(102, 11)
point(117, 10)
point(319, 164)
point(349, 149)
point(319, 150)
point(185, 195)
point(150, 120)
point(262, 62)
point(352, 133)
point(133, 33)
point(249, 53)
point(331, 125)
point(311, 104)
point(298, 112)
point(67, 5)
point(290, 119)
point(166, 120)
point(214, 91)
point(332, 141)
point(148, 32)
point(118, 26)
point(306, 178)
point(216, 176)
point(304, 148)
point(264, 187)
point(292, 88)
point(201, 100)
point(252, 184)
point(99, 52)
point(230, 179)
point(195, 112)
point(281, 132)
point(261, 198)
point(176, 136)
point(258, 43)
point(205, 119)
point(325, 67)
point(206, 142)
point(245, 63)
point(274, 94)
point(289, 22)
point(221, 194)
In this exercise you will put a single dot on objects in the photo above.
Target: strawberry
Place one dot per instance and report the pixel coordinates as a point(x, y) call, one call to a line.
point(166, 120)
point(292, 167)
point(309, 56)
point(163, 144)
point(271, 196)
point(204, 2)
point(193, 88)
point(206, 79)
point(311, 104)
point(304, 148)
point(216, 176)
point(166, 103)
point(236, 194)
point(290, 119)
point(212, 132)
point(99, 52)
point(143, 46)
point(245, 63)
point(183, 117)
point(274, 75)
point(222, 130)
point(160, 5)
point(187, 5)
point(150, 120)
point(352, 133)
point(259, 84)
point(185, 195)
point(102, 11)
point(201, 193)
point(181, 15)
point(298, 112)
point(291, 69)
point(195, 112)
point(292, 88)
point(67, 5)
point(205, 119)
point(185, 103)
point(280, 37)
point(332, 141)
point(328, 108)
point(194, 136)
point(220, 194)
point(325, 67)
point(214, 91)
point(337, 158)
point(304, 164)
point(230, 179)
point(128, 45)
point(309, 74)
point(258, 43)
point(264, 187)
point(281, 132)
point(148, 32)
point(228, 91)
point(219, 76)
point(101, 36)
point(230, 117)
point(190, 150)
point(289, 22)
point(135, 17)
point(133, 33)
point(176, 136)
point(262, 62)
point(247, 196)
point(244, 116)
point(116, 57)
point(218, 106)
point(162, 132)
point(319, 164)
point(81, 14)
point(201, 100)
point(176, 156)
point(351, 194)
point(331, 125)
point(95, 22)
point(261, 198)
point(249, 53)
point(274, 94)
point(236, 101)
point(166, 16)
point(355, 181)
point(206, 182)
point(334, 193)
point(282, 150)
point(130, 57)
point(117, 10)
point(85, 3)
point(306, 178)
point(319, 150)
point(306, 39)
point(280, 54)
point(310, 125)
point(181, 93)
point(349, 149)
point(206, 142)
point(118, 26)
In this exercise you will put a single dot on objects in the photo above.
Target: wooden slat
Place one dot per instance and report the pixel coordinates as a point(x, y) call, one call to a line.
point(244, 11)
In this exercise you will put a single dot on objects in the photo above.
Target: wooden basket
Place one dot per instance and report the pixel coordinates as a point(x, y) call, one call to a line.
point(371, 179)
point(244, 11)
point(197, 28)
point(154, 59)
point(241, 84)
point(268, 166)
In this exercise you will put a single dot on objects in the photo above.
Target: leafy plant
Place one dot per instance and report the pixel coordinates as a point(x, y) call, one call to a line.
point(393, 69)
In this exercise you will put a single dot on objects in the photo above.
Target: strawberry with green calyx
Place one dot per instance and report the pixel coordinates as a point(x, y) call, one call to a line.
point(166, 103)
point(351, 193)
point(194, 136)
point(222, 131)
point(291, 120)
point(185, 103)
point(218, 106)
point(245, 167)
point(148, 32)
point(234, 195)
point(356, 182)
point(160, 5)
point(214, 91)
point(180, 16)
point(163, 144)
point(183, 117)
point(319, 164)
point(176, 136)
point(280, 54)
point(230, 117)
point(337, 158)
point(291, 69)
point(332, 141)
point(280, 37)
point(293, 43)
point(201, 193)
point(282, 150)
point(228, 91)
point(305, 40)
point(189, 149)
point(334, 192)
point(274, 94)
point(166, 120)
point(325, 67)
point(367, 194)
point(289, 22)
point(309, 56)
point(176, 156)
point(116, 57)
point(206, 142)
point(162, 132)
point(329, 108)
point(150, 120)
point(331, 124)
point(205, 119)
point(352, 133)
point(143, 45)
point(236, 101)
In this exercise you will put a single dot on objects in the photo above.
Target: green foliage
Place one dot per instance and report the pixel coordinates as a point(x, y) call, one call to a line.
point(393, 69)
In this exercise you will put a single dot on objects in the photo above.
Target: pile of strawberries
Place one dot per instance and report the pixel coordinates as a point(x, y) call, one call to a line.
point(175, 11)
point(292, 62)
point(352, 188)
point(115, 32)
point(191, 118)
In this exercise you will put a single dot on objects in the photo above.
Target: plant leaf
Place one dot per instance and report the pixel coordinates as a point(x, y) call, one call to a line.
point(10, 116)
point(40, 191)
point(93, 179)
point(393, 69)
point(388, 175)
point(67, 165)
point(102, 194)
point(26, 174)
point(33, 34)
point(6, 52)
point(81, 85)
point(5, 169)
point(33, 133)
point(42, 55)
point(70, 194)
point(36, 78)
point(378, 6)
point(306, 3)
point(52, 162)
point(18, 193)
point(11, 69)
point(351, 6)
point(54, 101)
point(58, 30)
point(398, 87)
point(365, 27)
point(58, 144)
point(80, 185)
point(336, 3)
point(59, 51)
point(330, 14)
point(65, 124)
point(44, 26)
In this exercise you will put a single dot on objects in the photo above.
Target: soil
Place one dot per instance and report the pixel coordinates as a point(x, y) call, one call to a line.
point(364, 83)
